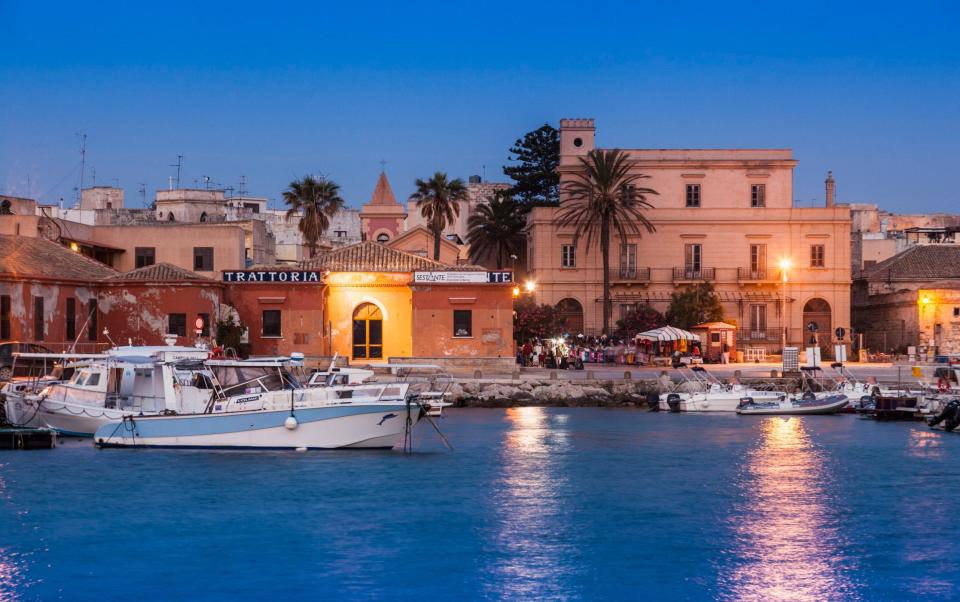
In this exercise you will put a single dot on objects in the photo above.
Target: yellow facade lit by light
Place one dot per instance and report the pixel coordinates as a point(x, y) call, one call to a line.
point(390, 292)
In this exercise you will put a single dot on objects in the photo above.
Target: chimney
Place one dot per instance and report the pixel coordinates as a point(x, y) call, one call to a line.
point(831, 189)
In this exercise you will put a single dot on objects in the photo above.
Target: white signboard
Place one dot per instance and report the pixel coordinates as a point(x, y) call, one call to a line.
point(462, 277)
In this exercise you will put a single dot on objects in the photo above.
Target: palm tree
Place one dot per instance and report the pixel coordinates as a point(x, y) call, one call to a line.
point(315, 200)
point(437, 201)
point(496, 228)
point(602, 195)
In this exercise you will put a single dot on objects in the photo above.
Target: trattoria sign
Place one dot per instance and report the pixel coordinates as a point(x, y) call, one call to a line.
point(286, 276)
point(462, 277)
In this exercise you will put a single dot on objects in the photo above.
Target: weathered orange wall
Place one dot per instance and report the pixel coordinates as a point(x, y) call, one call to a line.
point(301, 316)
point(139, 312)
point(492, 307)
point(55, 297)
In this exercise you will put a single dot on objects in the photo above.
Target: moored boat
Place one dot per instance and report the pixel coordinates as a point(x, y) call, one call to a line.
point(704, 393)
point(794, 406)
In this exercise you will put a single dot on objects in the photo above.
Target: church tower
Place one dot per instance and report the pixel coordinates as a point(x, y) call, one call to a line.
point(382, 218)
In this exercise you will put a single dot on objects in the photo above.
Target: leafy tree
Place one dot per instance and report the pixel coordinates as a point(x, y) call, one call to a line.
point(315, 200)
point(437, 199)
point(601, 196)
point(536, 180)
point(230, 333)
point(532, 321)
point(496, 229)
point(694, 305)
point(642, 319)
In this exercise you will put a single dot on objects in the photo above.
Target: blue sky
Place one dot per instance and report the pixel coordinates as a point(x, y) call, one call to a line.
point(277, 90)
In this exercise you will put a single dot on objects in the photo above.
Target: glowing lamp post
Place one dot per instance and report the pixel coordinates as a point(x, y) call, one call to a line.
point(785, 265)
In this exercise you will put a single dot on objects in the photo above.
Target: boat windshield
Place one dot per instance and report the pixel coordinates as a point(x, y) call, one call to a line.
point(236, 379)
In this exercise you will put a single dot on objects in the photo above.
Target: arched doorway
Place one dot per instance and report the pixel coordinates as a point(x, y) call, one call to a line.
point(571, 312)
point(367, 332)
point(203, 216)
point(817, 311)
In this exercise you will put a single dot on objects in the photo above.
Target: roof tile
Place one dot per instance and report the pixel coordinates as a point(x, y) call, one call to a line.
point(27, 256)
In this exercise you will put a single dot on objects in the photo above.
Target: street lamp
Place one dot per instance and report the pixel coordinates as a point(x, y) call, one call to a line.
point(530, 286)
point(785, 265)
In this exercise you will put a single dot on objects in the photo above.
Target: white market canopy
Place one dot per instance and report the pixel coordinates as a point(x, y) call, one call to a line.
point(668, 333)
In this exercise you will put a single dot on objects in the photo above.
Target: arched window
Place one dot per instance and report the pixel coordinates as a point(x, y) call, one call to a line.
point(571, 312)
point(203, 216)
point(170, 217)
point(817, 323)
point(367, 332)
point(5, 207)
point(383, 237)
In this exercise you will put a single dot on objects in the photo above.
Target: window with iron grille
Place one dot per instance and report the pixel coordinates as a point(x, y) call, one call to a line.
point(5, 316)
point(203, 259)
point(462, 323)
point(693, 195)
point(758, 195)
point(271, 323)
point(816, 256)
point(177, 324)
point(38, 318)
point(145, 256)
point(568, 256)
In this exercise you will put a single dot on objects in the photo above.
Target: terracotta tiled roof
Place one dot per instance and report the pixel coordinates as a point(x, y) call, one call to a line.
point(26, 256)
point(159, 272)
point(369, 256)
point(383, 194)
point(922, 262)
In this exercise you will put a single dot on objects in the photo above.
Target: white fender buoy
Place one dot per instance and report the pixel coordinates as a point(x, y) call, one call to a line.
point(291, 422)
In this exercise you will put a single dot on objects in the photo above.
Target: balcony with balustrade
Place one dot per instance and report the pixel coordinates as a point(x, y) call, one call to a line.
point(689, 275)
point(756, 276)
point(630, 275)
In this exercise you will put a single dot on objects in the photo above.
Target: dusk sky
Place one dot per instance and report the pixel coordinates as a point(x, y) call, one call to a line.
point(274, 91)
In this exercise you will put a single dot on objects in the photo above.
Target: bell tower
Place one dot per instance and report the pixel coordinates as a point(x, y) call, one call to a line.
point(381, 219)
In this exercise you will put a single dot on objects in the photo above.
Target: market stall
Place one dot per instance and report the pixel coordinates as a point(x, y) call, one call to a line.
point(668, 344)
point(719, 341)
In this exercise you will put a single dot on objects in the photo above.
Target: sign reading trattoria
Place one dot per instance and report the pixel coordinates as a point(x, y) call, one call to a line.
point(462, 277)
point(287, 276)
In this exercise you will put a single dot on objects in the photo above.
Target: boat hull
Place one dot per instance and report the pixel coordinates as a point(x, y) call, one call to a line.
point(712, 402)
point(331, 427)
point(77, 420)
point(828, 405)
point(22, 413)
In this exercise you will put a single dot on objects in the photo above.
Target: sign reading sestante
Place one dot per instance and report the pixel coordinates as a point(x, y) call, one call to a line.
point(286, 276)
point(462, 277)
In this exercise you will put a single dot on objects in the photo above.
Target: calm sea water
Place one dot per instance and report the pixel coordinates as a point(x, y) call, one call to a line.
point(533, 504)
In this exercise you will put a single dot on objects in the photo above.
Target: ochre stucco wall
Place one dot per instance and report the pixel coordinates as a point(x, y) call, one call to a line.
point(492, 313)
point(388, 291)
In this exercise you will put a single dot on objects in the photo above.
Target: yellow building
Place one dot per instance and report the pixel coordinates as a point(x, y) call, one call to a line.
point(722, 216)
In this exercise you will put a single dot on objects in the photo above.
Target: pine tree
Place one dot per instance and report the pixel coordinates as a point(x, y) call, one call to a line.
point(536, 181)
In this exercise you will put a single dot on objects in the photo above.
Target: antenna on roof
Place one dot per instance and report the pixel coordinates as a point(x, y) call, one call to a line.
point(243, 185)
point(83, 156)
point(178, 165)
point(483, 172)
point(93, 172)
point(206, 182)
point(143, 194)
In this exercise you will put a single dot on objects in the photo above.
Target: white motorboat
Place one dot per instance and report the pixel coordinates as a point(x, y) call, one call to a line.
point(795, 405)
point(702, 392)
point(126, 381)
point(19, 395)
point(260, 404)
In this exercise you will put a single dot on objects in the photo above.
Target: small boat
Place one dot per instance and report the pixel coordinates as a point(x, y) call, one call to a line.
point(949, 417)
point(126, 381)
point(20, 405)
point(794, 406)
point(710, 395)
point(260, 404)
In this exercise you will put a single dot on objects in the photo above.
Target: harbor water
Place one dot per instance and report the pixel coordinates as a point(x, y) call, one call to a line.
point(534, 503)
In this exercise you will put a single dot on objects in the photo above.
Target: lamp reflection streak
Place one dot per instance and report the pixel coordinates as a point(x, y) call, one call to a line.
point(533, 552)
point(787, 541)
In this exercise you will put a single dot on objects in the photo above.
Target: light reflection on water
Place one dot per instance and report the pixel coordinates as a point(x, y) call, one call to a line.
point(787, 541)
point(533, 553)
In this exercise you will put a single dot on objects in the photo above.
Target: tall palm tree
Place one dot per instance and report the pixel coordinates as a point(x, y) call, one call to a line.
point(315, 200)
point(437, 201)
point(497, 228)
point(602, 195)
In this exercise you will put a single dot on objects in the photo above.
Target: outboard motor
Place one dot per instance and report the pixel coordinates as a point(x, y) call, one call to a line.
point(653, 402)
point(673, 400)
point(949, 416)
point(746, 401)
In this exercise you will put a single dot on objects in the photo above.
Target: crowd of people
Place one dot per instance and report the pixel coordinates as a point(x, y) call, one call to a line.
point(571, 353)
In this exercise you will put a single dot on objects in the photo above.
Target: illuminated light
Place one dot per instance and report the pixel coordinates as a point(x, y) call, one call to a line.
point(74, 247)
point(925, 300)
point(785, 264)
point(530, 286)
point(516, 291)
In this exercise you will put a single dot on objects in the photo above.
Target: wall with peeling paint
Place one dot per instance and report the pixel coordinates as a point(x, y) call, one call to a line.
point(301, 316)
point(492, 320)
